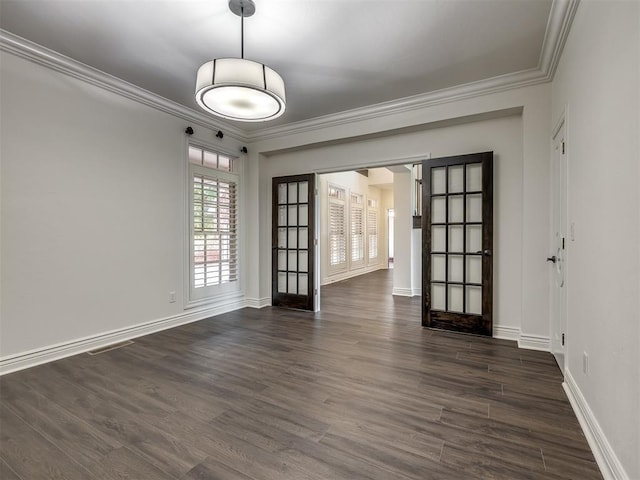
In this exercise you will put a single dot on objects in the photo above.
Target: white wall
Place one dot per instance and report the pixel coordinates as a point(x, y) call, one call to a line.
point(403, 222)
point(597, 84)
point(93, 210)
point(504, 136)
point(522, 183)
point(98, 179)
point(380, 176)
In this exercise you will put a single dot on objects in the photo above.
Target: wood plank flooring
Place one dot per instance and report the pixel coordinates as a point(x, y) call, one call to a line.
point(357, 391)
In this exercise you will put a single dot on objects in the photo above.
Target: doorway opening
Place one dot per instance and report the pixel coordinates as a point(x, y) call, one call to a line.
point(364, 223)
point(366, 227)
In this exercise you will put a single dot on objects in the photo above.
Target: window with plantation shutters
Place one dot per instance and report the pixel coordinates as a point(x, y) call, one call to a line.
point(357, 230)
point(214, 224)
point(372, 230)
point(337, 228)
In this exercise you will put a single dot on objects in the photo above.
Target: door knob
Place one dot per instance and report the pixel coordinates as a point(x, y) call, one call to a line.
point(552, 259)
point(486, 253)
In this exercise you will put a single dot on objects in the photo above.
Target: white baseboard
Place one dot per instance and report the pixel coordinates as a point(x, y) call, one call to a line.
point(506, 332)
point(610, 466)
point(338, 277)
point(402, 292)
point(258, 302)
point(526, 341)
point(534, 342)
point(51, 353)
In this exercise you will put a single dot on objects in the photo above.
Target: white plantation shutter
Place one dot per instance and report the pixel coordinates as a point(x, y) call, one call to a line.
point(357, 229)
point(337, 228)
point(372, 233)
point(215, 240)
point(214, 225)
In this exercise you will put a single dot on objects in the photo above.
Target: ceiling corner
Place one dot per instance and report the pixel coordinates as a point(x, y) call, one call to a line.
point(558, 27)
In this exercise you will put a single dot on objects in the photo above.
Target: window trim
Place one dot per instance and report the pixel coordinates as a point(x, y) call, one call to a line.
point(204, 296)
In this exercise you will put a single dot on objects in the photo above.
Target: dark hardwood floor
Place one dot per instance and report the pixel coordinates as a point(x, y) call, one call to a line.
point(357, 391)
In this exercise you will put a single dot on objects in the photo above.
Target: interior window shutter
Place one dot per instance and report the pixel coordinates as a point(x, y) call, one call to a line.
point(357, 229)
point(337, 241)
point(372, 233)
point(215, 234)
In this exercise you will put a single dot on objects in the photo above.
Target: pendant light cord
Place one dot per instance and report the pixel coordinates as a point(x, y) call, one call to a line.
point(242, 32)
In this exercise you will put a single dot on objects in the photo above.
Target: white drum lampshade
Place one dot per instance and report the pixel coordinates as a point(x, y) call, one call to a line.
point(240, 89)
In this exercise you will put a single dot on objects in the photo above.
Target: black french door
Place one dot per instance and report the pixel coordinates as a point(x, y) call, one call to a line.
point(293, 234)
point(457, 243)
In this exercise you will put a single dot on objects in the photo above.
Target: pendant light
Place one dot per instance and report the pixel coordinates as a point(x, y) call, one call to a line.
point(240, 89)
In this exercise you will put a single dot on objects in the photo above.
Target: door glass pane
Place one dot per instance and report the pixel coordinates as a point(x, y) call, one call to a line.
point(456, 267)
point(474, 238)
point(282, 260)
point(438, 209)
point(474, 269)
point(456, 208)
point(438, 180)
point(474, 208)
point(293, 283)
point(282, 282)
point(303, 284)
point(293, 193)
point(438, 266)
point(474, 177)
point(282, 238)
point(455, 298)
point(455, 238)
point(304, 215)
point(282, 193)
point(437, 296)
point(293, 215)
point(303, 235)
point(303, 192)
point(456, 178)
point(293, 238)
point(282, 216)
point(438, 239)
point(303, 261)
point(474, 300)
point(293, 260)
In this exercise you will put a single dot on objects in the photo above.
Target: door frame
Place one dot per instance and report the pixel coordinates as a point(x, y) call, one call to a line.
point(559, 198)
point(404, 160)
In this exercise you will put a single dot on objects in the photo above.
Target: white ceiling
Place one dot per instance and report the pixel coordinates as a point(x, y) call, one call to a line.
point(334, 55)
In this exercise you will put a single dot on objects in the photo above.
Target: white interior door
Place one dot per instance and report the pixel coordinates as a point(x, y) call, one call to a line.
point(558, 254)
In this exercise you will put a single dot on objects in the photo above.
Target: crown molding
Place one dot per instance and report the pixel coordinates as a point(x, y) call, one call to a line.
point(394, 107)
point(33, 52)
point(556, 33)
point(558, 26)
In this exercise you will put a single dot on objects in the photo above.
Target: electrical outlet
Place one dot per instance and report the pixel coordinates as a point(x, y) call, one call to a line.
point(172, 297)
point(585, 363)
